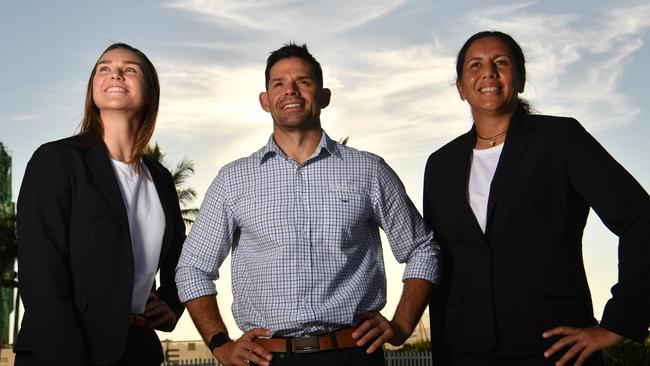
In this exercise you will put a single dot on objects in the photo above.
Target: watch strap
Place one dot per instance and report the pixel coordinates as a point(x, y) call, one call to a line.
point(218, 340)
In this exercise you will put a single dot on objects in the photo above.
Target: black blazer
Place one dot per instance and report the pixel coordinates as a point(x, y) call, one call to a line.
point(525, 275)
point(75, 261)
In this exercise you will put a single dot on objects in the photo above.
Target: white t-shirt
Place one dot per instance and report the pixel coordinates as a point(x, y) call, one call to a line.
point(484, 164)
point(147, 226)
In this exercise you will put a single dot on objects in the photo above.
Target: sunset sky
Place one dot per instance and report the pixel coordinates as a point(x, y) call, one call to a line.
point(389, 64)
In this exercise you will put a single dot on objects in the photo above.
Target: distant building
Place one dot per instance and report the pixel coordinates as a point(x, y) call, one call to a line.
point(7, 357)
point(7, 246)
point(177, 351)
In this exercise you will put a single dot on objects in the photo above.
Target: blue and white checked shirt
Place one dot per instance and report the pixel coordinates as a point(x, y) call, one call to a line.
point(306, 252)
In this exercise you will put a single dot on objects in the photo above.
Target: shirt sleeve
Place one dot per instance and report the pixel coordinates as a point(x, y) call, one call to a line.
point(411, 241)
point(208, 242)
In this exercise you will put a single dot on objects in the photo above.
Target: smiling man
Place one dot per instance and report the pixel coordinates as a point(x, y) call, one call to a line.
point(302, 218)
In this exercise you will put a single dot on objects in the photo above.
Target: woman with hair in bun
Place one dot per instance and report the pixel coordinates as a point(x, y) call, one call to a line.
point(509, 201)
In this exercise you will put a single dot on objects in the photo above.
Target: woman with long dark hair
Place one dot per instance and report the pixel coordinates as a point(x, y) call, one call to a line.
point(509, 201)
point(96, 220)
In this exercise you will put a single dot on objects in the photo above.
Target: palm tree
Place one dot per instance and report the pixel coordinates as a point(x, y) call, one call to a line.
point(183, 170)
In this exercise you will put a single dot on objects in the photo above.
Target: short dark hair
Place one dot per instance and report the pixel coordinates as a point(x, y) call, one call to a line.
point(515, 52)
point(289, 50)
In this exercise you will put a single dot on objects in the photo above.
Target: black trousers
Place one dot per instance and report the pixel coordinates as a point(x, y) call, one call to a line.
point(142, 348)
point(494, 359)
point(338, 357)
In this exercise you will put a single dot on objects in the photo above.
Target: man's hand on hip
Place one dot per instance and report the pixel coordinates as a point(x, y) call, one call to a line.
point(239, 351)
point(377, 330)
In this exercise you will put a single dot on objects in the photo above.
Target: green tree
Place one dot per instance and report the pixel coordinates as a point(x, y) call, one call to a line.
point(8, 279)
point(417, 346)
point(7, 245)
point(183, 170)
point(7, 248)
point(628, 353)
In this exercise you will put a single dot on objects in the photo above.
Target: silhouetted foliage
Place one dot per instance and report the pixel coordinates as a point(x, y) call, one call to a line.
point(628, 353)
point(7, 248)
point(183, 170)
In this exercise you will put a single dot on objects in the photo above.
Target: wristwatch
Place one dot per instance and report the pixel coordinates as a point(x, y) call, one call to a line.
point(218, 340)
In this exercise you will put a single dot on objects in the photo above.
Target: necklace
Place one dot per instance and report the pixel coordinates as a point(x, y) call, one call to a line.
point(493, 139)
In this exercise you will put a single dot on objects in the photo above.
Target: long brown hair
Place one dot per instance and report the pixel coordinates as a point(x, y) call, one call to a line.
point(92, 128)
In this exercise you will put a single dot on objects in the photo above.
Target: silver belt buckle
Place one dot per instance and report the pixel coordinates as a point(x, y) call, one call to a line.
point(307, 344)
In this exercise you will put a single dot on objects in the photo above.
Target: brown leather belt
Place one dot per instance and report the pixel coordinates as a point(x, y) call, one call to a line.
point(138, 320)
point(342, 338)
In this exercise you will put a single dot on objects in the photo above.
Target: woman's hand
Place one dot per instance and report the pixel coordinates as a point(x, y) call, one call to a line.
point(159, 315)
point(583, 342)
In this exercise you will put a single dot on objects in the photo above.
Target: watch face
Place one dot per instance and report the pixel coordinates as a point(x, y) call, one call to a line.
point(219, 340)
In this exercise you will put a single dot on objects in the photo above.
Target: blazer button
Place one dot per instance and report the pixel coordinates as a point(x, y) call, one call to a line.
point(488, 253)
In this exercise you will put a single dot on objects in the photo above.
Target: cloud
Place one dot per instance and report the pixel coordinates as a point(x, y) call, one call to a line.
point(388, 98)
point(213, 108)
point(630, 20)
point(212, 45)
point(209, 98)
point(27, 117)
point(394, 101)
point(324, 17)
point(400, 100)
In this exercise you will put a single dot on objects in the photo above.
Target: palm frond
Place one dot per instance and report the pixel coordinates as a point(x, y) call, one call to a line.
point(189, 215)
point(180, 173)
point(155, 153)
point(185, 195)
point(183, 170)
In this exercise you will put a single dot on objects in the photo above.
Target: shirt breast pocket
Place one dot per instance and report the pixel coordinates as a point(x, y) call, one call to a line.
point(345, 210)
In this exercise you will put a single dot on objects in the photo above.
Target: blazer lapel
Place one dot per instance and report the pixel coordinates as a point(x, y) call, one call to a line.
point(517, 140)
point(158, 180)
point(100, 167)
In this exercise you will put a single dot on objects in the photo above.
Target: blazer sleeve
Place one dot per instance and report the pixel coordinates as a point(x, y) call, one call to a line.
point(624, 207)
point(437, 311)
point(43, 218)
point(167, 290)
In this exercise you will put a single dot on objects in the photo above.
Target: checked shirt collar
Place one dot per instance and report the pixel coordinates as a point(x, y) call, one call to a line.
point(326, 145)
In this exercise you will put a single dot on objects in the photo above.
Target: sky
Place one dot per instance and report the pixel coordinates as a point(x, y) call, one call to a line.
point(389, 64)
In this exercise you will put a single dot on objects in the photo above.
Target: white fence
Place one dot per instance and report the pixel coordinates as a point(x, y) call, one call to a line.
point(408, 358)
point(392, 359)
